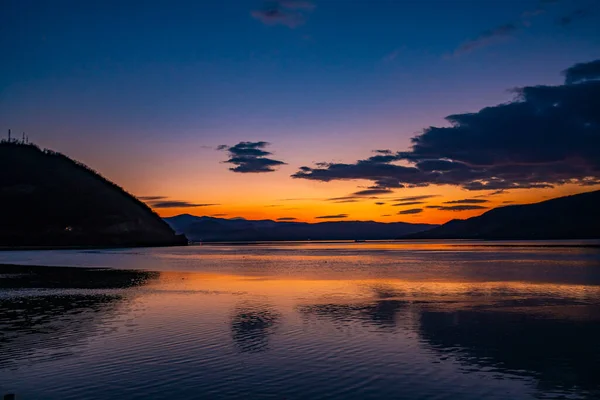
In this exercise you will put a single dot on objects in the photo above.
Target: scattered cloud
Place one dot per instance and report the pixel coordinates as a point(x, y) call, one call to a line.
point(250, 157)
point(411, 211)
point(408, 203)
point(467, 201)
point(284, 12)
point(283, 219)
point(219, 215)
point(178, 204)
point(337, 216)
point(546, 136)
point(347, 201)
point(487, 38)
point(379, 203)
point(386, 215)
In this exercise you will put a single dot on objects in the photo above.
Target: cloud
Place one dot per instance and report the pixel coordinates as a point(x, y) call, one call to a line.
point(573, 16)
point(487, 38)
point(284, 12)
point(467, 201)
point(286, 219)
point(250, 157)
point(178, 204)
point(411, 211)
point(379, 203)
point(218, 215)
point(460, 208)
point(152, 198)
point(347, 201)
point(372, 192)
point(412, 198)
point(408, 203)
point(386, 215)
point(582, 72)
point(494, 193)
point(337, 216)
point(546, 136)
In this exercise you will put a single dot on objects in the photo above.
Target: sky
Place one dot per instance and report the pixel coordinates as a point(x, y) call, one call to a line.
point(312, 110)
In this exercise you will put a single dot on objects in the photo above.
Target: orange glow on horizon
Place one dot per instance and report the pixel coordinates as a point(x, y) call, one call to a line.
point(315, 203)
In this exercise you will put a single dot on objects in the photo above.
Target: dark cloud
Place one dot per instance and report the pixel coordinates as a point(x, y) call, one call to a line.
point(152, 198)
point(411, 211)
point(494, 193)
point(487, 38)
point(467, 201)
point(284, 12)
point(547, 136)
point(412, 198)
point(582, 72)
point(372, 192)
point(573, 16)
point(337, 216)
point(347, 201)
point(460, 208)
point(178, 204)
point(250, 157)
point(379, 203)
point(408, 203)
point(286, 219)
point(218, 215)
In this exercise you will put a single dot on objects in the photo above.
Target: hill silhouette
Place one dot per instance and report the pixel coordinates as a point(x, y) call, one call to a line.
point(211, 229)
point(48, 199)
point(569, 217)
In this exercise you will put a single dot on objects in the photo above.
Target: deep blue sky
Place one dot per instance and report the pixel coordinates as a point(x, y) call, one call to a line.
point(132, 86)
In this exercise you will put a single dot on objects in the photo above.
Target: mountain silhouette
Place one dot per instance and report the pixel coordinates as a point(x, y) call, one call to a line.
point(211, 229)
point(569, 217)
point(48, 199)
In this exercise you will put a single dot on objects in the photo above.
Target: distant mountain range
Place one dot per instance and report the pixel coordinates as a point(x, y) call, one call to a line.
point(211, 229)
point(570, 217)
point(48, 199)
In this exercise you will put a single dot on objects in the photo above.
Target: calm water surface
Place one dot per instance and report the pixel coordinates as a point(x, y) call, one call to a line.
point(439, 320)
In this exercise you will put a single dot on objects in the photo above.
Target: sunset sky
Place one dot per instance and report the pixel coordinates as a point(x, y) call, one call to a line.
point(296, 109)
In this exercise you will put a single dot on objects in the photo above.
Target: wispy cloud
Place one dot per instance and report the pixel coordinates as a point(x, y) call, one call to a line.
point(152, 198)
point(574, 16)
point(178, 204)
point(458, 208)
point(487, 38)
point(467, 201)
point(284, 219)
point(411, 211)
point(408, 203)
point(289, 13)
point(336, 216)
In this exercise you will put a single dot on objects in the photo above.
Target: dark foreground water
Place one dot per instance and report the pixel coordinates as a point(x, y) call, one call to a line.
point(302, 321)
